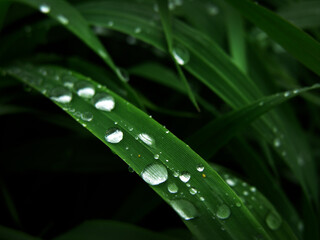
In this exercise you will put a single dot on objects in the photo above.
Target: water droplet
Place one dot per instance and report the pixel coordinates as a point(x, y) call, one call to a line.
point(130, 169)
point(286, 94)
point(300, 226)
point(167, 131)
point(156, 156)
point(181, 55)
point(85, 89)
point(296, 91)
point(184, 208)
point(146, 139)
point(223, 212)
point(44, 8)
point(300, 161)
point(245, 193)
point(261, 104)
point(87, 116)
point(193, 191)
point(176, 174)
point(276, 142)
point(156, 7)
point(61, 95)
point(62, 19)
point(123, 74)
point(244, 184)
point(212, 9)
point(238, 204)
point(137, 30)
point(104, 102)
point(200, 168)
point(185, 177)
point(110, 23)
point(253, 189)
point(231, 182)
point(273, 220)
point(172, 188)
point(114, 135)
point(154, 174)
point(202, 199)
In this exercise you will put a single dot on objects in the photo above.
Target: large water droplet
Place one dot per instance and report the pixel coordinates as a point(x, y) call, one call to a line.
point(104, 102)
point(181, 55)
point(200, 168)
point(273, 220)
point(114, 135)
point(61, 95)
point(185, 177)
point(87, 116)
point(155, 173)
point(62, 19)
point(156, 156)
point(85, 89)
point(173, 188)
point(146, 139)
point(184, 208)
point(223, 212)
point(44, 8)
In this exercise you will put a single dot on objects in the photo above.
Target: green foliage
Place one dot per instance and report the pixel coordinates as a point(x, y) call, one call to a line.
point(251, 148)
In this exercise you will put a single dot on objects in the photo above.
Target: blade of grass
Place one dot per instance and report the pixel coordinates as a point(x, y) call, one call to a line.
point(284, 33)
point(167, 27)
point(107, 229)
point(150, 149)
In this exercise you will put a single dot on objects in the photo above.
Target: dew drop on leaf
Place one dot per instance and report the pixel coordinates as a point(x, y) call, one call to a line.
point(114, 135)
point(276, 142)
point(156, 156)
point(273, 220)
point(154, 174)
point(184, 208)
point(62, 19)
point(181, 55)
point(185, 177)
point(231, 182)
point(104, 102)
point(223, 212)
point(172, 188)
point(193, 191)
point(123, 74)
point(200, 168)
point(146, 139)
point(84, 89)
point(87, 116)
point(44, 8)
point(61, 95)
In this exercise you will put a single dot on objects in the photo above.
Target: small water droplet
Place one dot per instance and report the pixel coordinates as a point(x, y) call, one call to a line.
point(155, 173)
point(62, 19)
point(200, 168)
point(176, 174)
point(300, 226)
point(87, 116)
point(44, 8)
point(172, 188)
point(167, 131)
point(276, 142)
point(156, 7)
point(184, 208)
point(114, 135)
point(156, 156)
point(212, 9)
point(261, 104)
point(193, 191)
point(110, 23)
point(104, 102)
point(185, 177)
point(85, 89)
point(130, 169)
point(223, 212)
point(296, 91)
point(300, 161)
point(123, 74)
point(287, 94)
point(245, 193)
point(253, 189)
point(202, 199)
point(238, 204)
point(273, 220)
point(181, 55)
point(244, 184)
point(61, 95)
point(137, 30)
point(146, 139)
point(127, 148)
point(231, 182)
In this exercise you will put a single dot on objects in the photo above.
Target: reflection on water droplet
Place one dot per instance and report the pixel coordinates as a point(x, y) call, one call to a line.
point(172, 188)
point(156, 156)
point(114, 135)
point(44, 8)
point(184, 208)
point(146, 139)
point(273, 220)
point(231, 182)
point(87, 116)
point(185, 177)
point(276, 142)
point(85, 89)
point(200, 168)
point(104, 102)
point(193, 191)
point(181, 55)
point(223, 212)
point(154, 174)
point(62, 19)
point(61, 95)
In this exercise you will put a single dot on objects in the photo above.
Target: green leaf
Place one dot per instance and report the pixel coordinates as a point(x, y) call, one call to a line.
point(113, 230)
point(151, 151)
point(284, 33)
